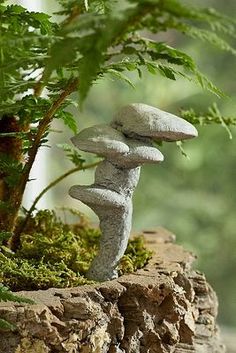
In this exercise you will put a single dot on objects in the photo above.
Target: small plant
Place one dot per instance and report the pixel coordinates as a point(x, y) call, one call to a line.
point(7, 295)
point(92, 39)
point(54, 254)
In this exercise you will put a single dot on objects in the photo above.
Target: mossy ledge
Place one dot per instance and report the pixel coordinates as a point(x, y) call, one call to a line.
point(55, 254)
point(165, 307)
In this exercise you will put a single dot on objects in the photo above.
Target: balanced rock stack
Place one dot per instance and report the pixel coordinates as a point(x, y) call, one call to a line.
point(125, 144)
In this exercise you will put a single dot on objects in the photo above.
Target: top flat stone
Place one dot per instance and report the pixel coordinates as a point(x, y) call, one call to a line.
point(147, 121)
point(102, 140)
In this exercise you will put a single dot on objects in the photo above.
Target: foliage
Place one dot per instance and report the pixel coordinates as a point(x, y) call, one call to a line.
point(54, 254)
point(136, 256)
point(92, 40)
point(7, 295)
point(213, 115)
point(72, 154)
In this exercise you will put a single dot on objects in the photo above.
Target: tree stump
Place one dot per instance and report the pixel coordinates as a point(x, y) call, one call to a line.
point(166, 307)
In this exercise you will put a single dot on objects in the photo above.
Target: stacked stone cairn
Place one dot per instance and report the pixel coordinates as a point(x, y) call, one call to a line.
point(125, 144)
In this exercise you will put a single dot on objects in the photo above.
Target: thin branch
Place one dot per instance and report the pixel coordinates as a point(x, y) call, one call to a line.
point(42, 128)
point(57, 180)
point(74, 14)
point(52, 184)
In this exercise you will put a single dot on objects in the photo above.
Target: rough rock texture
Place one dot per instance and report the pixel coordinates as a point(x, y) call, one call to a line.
point(126, 145)
point(144, 120)
point(112, 202)
point(166, 307)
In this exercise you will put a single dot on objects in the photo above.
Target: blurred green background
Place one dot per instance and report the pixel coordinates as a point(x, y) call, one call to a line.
point(195, 198)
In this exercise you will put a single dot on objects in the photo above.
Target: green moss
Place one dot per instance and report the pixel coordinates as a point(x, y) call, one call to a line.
point(136, 256)
point(54, 254)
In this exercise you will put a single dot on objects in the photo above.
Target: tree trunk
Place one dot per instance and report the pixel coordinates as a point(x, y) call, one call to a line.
point(164, 308)
point(11, 155)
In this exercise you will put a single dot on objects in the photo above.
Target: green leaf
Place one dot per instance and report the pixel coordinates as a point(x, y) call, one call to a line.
point(211, 116)
point(152, 68)
point(129, 50)
point(179, 144)
point(89, 68)
point(207, 84)
point(160, 50)
point(130, 66)
point(7, 295)
point(68, 120)
point(5, 325)
point(120, 76)
point(216, 112)
point(208, 36)
point(61, 54)
point(17, 9)
point(43, 19)
point(72, 154)
point(12, 169)
point(167, 72)
point(40, 16)
point(13, 134)
point(5, 236)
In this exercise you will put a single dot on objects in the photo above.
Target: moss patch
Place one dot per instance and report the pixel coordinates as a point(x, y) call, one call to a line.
point(54, 254)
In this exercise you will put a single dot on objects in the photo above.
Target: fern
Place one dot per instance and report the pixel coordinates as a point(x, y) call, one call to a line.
point(7, 295)
point(93, 39)
point(206, 36)
point(211, 116)
point(72, 154)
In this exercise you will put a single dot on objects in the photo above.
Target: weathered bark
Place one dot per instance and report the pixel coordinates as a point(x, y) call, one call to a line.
point(166, 307)
point(11, 152)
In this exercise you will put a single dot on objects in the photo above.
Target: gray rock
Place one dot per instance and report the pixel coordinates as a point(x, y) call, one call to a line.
point(110, 197)
point(126, 145)
point(102, 140)
point(140, 152)
point(146, 121)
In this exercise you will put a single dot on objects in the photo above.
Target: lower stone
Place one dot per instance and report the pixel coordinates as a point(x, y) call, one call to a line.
point(166, 307)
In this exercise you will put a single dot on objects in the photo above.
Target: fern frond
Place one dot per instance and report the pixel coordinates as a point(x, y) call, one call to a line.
point(7, 295)
point(120, 76)
point(6, 326)
point(211, 116)
point(206, 36)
